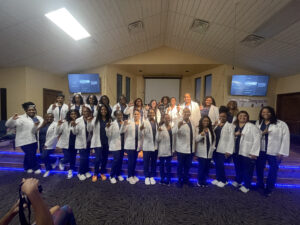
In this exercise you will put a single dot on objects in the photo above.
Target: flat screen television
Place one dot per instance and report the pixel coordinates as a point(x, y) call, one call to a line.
point(249, 85)
point(84, 83)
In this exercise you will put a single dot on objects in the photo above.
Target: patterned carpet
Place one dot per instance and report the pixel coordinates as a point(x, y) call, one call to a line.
point(102, 203)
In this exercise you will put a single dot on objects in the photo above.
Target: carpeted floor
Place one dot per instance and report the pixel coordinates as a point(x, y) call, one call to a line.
point(102, 203)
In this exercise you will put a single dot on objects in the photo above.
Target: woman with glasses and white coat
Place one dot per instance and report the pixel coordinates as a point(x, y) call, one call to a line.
point(247, 147)
point(275, 144)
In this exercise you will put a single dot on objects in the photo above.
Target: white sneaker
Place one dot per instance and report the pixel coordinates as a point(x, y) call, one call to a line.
point(112, 180)
point(47, 173)
point(70, 174)
point(235, 184)
point(147, 181)
point(244, 189)
point(220, 184)
point(54, 165)
point(152, 181)
point(131, 180)
point(29, 171)
point(120, 178)
point(61, 166)
point(81, 177)
point(88, 175)
point(215, 182)
point(136, 179)
point(38, 171)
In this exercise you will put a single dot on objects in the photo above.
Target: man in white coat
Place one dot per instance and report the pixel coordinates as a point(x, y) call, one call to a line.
point(193, 107)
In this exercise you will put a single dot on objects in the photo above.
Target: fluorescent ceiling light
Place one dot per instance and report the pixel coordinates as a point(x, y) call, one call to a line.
point(65, 21)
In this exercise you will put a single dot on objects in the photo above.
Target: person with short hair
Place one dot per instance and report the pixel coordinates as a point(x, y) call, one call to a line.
point(121, 105)
point(92, 104)
point(193, 107)
point(26, 131)
point(59, 109)
point(209, 108)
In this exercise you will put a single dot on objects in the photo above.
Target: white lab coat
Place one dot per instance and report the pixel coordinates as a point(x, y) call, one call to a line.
point(163, 142)
point(129, 111)
point(195, 112)
point(95, 113)
point(278, 139)
point(175, 115)
point(113, 134)
point(80, 108)
point(213, 114)
point(226, 142)
point(147, 136)
point(80, 132)
point(114, 108)
point(250, 140)
point(129, 136)
point(182, 136)
point(55, 112)
point(51, 137)
point(64, 131)
point(201, 148)
point(25, 129)
point(94, 127)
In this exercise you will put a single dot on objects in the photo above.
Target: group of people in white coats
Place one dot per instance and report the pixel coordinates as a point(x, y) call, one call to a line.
point(159, 130)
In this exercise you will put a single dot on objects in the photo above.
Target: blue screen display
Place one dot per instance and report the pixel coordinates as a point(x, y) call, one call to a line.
point(84, 83)
point(249, 85)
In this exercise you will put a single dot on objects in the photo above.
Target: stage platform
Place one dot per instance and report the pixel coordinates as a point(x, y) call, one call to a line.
point(288, 175)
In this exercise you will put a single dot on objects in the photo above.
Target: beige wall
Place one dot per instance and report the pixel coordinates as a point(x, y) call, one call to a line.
point(14, 80)
point(221, 81)
point(108, 76)
point(26, 84)
point(288, 84)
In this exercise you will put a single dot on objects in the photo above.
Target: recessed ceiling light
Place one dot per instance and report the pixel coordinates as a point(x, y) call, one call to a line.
point(200, 26)
point(65, 21)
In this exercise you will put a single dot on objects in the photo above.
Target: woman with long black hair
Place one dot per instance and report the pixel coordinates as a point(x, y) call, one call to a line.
point(26, 129)
point(92, 104)
point(209, 108)
point(153, 105)
point(205, 146)
point(67, 141)
point(104, 100)
point(100, 141)
point(136, 105)
point(275, 144)
point(77, 103)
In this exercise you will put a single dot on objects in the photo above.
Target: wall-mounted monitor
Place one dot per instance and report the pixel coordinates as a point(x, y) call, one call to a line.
point(249, 85)
point(84, 83)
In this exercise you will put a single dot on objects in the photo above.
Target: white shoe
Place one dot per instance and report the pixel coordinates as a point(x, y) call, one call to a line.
point(120, 178)
point(70, 174)
point(61, 166)
point(38, 171)
point(54, 165)
point(152, 181)
point(136, 179)
point(81, 177)
point(220, 184)
point(244, 189)
point(147, 181)
point(88, 175)
point(235, 184)
point(47, 173)
point(131, 180)
point(29, 171)
point(215, 182)
point(113, 180)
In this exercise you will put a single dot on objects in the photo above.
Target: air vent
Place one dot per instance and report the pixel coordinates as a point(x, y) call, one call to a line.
point(136, 27)
point(253, 40)
point(200, 26)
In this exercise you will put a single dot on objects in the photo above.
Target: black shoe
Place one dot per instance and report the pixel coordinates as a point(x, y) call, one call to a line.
point(162, 181)
point(179, 184)
point(168, 183)
point(190, 184)
point(259, 186)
